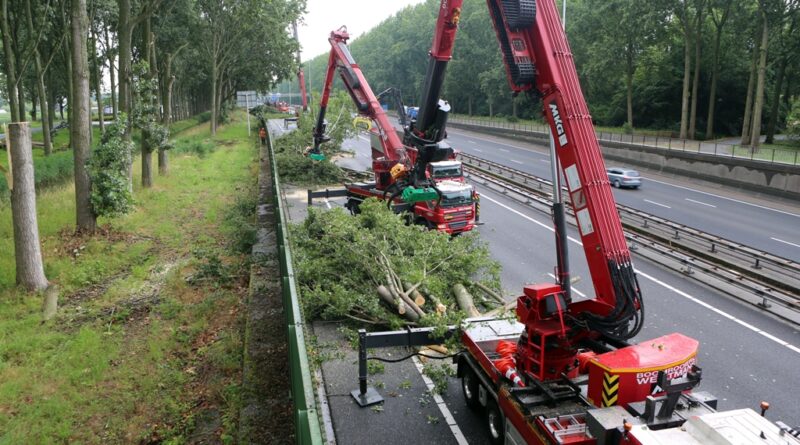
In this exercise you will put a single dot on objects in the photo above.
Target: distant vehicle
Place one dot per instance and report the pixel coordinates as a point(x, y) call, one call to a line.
point(412, 112)
point(624, 177)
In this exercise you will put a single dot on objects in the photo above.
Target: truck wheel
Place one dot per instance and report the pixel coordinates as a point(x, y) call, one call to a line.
point(495, 421)
point(469, 386)
point(352, 205)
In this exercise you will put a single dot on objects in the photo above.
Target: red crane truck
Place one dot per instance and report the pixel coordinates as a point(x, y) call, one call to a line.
point(409, 178)
point(563, 372)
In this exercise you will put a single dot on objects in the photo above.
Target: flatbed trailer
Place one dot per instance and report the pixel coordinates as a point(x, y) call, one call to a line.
point(562, 411)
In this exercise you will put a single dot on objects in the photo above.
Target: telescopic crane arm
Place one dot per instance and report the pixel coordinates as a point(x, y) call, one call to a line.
point(301, 77)
point(538, 60)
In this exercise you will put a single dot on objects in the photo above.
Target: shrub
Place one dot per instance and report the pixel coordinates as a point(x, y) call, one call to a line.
point(108, 170)
point(48, 171)
point(793, 121)
point(198, 147)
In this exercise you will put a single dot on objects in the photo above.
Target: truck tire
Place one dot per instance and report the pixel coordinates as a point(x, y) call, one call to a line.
point(470, 386)
point(496, 423)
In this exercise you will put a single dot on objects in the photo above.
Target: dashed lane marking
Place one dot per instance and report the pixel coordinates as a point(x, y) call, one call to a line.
point(701, 202)
point(658, 204)
point(708, 306)
point(518, 162)
point(571, 287)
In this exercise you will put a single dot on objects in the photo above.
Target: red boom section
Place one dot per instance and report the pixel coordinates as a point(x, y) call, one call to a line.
point(366, 103)
point(538, 59)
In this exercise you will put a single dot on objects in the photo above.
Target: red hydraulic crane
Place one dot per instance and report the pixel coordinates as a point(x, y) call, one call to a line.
point(301, 78)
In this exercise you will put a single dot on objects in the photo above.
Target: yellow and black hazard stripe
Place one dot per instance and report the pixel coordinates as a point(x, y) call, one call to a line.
point(610, 389)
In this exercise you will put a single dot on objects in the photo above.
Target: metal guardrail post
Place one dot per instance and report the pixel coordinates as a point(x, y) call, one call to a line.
point(307, 427)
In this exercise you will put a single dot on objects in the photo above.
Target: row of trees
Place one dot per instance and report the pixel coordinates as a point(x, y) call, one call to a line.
point(701, 68)
point(164, 60)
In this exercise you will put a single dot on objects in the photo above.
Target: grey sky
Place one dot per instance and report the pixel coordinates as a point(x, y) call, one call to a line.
point(359, 16)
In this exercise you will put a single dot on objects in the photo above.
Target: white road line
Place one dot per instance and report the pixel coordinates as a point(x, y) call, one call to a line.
point(327, 203)
point(448, 417)
point(504, 150)
point(471, 142)
point(785, 242)
point(661, 205)
point(725, 197)
point(363, 138)
point(701, 203)
point(518, 162)
point(667, 286)
point(500, 143)
point(478, 150)
point(546, 161)
point(572, 287)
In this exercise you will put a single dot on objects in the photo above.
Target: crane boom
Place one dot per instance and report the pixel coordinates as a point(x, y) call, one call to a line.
point(538, 60)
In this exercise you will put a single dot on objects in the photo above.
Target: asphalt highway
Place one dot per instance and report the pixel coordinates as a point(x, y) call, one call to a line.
point(746, 356)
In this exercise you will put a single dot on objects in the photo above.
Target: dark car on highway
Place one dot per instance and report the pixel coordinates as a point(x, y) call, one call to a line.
point(624, 177)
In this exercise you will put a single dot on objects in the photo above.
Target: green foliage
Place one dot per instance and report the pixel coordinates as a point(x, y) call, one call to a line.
point(194, 146)
point(296, 168)
point(108, 170)
point(48, 171)
point(144, 115)
point(337, 262)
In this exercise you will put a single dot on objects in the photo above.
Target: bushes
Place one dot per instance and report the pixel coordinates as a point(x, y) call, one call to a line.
point(298, 169)
point(108, 169)
point(198, 147)
point(48, 171)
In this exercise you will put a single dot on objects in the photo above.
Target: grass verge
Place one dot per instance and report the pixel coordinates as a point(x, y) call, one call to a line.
point(146, 345)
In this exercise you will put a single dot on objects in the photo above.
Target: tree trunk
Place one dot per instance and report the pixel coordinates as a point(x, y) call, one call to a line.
point(758, 103)
point(34, 100)
point(629, 90)
point(11, 69)
point(27, 251)
point(687, 70)
point(166, 117)
point(214, 81)
point(698, 45)
point(712, 92)
point(147, 150)
point(469, 106)
point(111, 74)
point(747, 120)
point(81, 117)
point(98, 71)
point(465, 301)
point(776, 102)
point(124, 34)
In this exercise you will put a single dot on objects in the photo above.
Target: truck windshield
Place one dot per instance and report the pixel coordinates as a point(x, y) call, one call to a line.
point(446, 172)
point(457, 198)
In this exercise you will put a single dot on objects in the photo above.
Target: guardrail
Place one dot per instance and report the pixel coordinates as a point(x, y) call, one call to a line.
point(764, 154)
point(307, 427)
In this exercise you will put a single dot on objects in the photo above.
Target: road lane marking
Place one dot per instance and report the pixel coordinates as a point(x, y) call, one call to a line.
point(363, 138)
point(701, 203)
point(448, 417)
point(504, 150)
point(518, 162)
point(785, 242)
point(546, 161)
point(478, 150)
point(725, 197)
point(499, 143)
point(471, 142)
point(666, 286)
point(327, 203)
point(658, 204)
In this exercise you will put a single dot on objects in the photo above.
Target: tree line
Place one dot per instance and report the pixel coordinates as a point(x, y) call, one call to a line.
point(146, 62)
point(700, 68)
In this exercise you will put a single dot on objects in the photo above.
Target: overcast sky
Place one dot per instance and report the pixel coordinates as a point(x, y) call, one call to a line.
point(360, 16)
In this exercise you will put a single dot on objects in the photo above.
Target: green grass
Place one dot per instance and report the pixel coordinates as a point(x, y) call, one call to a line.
point(107, 369)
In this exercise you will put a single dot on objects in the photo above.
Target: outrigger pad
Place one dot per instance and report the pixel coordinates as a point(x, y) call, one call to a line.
point(411, 194)
point(371, 397)
point(317, 156)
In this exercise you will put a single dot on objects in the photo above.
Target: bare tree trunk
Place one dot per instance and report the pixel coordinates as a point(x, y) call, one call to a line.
point(214, 81)
point(111, 75)
point(11, 69)
point(698, 45)
point(712, 93)
point(98, 70)
point(81, 117)
point(747, 120)
point(147, 150)
point(166, 117)
point(124, 34)
point(758, 103)
point(629, 86)
point(27, 251)
point(687, 70)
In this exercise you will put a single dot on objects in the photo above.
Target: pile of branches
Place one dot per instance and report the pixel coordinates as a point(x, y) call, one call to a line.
point(374, 269)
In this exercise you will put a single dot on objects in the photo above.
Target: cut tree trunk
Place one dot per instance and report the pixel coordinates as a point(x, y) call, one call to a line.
point(27, 251)
point(396, 304)
point(465, 301)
